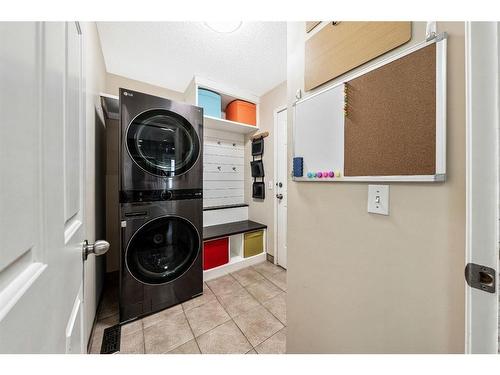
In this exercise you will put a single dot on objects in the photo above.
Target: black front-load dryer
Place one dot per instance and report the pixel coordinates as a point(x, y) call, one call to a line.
point(161, 260)
point(161, 144)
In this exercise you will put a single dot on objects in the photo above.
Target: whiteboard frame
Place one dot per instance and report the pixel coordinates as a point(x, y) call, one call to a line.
point(440, 176)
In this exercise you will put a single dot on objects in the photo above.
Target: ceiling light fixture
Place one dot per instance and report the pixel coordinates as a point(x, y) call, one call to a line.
point(224, 27)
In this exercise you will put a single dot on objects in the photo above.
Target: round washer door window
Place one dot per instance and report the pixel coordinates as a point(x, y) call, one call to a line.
point(162, 250)
point(162, 143)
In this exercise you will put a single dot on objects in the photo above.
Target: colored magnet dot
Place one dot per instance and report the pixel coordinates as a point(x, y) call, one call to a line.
point(331, 174)
point(325, 174)
point(319, 174)
point(310, 175)
point(337, 174)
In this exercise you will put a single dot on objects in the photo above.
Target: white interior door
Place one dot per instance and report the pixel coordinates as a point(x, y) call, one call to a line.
point(482, 92)
point(41, 188)
point(281, 186)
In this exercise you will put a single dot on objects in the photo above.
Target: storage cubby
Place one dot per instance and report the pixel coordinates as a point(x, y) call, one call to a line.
point(236, 247)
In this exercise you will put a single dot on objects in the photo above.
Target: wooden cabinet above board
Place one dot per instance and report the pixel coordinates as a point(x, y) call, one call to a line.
point(342, 46)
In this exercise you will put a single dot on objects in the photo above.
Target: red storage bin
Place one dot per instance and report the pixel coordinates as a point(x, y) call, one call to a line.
point(241, 111)
point(215, 253)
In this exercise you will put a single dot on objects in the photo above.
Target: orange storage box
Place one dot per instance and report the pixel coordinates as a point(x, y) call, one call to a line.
point(241, 111)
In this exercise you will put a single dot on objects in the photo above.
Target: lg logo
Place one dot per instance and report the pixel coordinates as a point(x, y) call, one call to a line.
point(127, 94)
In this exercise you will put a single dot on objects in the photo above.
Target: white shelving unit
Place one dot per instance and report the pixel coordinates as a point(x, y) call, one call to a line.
point(236, 242)
point(228, 94)
point(222, 130)
point(236, 259)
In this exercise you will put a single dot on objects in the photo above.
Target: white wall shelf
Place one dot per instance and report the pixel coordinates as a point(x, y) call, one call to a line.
point(228, 94)
point(228, 126)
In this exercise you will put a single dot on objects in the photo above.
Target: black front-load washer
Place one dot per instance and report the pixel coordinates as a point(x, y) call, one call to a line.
point(161, 260)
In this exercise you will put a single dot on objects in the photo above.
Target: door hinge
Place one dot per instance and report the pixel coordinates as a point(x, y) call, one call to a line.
point(481, 277)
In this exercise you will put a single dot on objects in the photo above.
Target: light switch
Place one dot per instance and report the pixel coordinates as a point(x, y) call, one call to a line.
point(270, 184)
point(378, 199)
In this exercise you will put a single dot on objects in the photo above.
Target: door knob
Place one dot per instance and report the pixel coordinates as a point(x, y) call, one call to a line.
point(279, 196)
point(98, 248)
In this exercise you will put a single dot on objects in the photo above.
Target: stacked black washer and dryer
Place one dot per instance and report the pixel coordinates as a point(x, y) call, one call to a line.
point(161, 209)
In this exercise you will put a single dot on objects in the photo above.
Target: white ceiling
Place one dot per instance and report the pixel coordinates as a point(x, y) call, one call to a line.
point(169, 54)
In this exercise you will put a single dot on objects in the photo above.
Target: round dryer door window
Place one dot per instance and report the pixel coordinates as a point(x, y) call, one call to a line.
point(162, 250)
point(163, 143)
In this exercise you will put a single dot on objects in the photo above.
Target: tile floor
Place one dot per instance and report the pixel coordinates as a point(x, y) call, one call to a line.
point(243, 312)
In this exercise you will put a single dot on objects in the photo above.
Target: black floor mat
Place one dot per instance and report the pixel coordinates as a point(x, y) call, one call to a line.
point(111, 340)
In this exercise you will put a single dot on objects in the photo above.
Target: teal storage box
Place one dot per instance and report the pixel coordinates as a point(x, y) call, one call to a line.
point(211, 103)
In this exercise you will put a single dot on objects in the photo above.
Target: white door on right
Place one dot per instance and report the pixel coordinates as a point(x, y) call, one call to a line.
point(281, 185)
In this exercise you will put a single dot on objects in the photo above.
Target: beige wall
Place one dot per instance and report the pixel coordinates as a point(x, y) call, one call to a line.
point(95, 79)
point(263, 210)
point(364, 283)
point(114, 82)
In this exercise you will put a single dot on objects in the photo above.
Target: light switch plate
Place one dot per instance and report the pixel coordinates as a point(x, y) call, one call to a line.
point(378, 199)
point(270, 184)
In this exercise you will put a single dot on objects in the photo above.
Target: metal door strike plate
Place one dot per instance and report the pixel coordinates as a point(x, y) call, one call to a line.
point(481, 277)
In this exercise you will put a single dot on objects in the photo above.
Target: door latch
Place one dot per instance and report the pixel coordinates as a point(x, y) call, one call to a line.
point(480, 277)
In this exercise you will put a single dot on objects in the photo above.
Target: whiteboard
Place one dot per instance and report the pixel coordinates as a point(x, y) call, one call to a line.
point(321, 139)
point(318, 127)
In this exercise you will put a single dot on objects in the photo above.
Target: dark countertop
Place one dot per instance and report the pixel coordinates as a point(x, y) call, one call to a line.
point(228, 229)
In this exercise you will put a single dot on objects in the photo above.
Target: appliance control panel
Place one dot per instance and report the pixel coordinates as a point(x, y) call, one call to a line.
point(131, 196)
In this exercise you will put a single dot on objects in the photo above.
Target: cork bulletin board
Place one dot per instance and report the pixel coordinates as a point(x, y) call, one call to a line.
point(394, 131)
point(386, 123)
